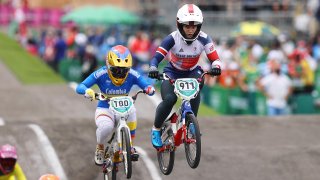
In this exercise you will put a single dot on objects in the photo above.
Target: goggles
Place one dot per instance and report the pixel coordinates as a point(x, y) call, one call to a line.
point(119, 72)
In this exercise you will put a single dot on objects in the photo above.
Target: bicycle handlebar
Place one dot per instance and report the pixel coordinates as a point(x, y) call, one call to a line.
point(164, 76)
point(100, 96)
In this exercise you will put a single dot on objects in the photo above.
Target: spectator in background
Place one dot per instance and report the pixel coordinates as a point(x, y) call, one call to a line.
point(71, 35)
point(301, 72)
point(277, 88)
point(276, 53)
point(286, 43)
point(60, 48)
point(9, 168)
point(139, 46)
point(32, 46)
point(49, 52)
point(302, 22)
point(316, 48)
point(90, 62)
point(231, 77)
point(81, 41)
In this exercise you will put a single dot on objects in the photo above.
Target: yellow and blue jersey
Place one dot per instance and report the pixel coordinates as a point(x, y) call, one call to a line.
point(101, 78)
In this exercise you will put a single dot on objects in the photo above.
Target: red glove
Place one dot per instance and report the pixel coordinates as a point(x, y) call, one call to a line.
point(150, 90)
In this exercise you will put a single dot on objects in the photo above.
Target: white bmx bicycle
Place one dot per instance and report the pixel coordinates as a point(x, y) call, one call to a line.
point(120, 141)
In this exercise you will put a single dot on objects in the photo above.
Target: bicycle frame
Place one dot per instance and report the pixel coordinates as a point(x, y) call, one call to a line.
point(178, 127)
point(182, 126)
point(180, 134)
point(121, 107)
point(121, 123)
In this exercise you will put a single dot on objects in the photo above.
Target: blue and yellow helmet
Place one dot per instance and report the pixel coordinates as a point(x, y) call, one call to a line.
point(119, 62)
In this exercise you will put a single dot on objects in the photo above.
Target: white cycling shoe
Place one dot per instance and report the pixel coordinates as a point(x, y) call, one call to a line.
point(99, 156)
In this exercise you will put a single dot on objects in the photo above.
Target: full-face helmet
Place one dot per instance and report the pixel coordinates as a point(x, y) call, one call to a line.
point(189, 14)
point(118, 62)
point(8, 158)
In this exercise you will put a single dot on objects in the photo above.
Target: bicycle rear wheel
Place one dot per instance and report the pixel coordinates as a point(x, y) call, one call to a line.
point(166, 157)
point(193, 142)
point(126, 152)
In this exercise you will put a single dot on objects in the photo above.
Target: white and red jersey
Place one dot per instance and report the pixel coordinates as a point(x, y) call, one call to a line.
point(183, 56)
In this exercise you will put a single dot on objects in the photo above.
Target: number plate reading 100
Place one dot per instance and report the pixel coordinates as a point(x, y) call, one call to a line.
point(121, 104)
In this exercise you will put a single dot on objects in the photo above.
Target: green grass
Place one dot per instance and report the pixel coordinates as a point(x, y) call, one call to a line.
point(206, 111)
point(27, 68)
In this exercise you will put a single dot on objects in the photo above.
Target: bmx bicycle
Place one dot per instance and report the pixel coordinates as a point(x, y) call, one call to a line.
point(181, 126)
point(120, 141)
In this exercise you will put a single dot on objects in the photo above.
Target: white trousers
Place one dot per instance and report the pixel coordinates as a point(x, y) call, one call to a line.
point(105, 122)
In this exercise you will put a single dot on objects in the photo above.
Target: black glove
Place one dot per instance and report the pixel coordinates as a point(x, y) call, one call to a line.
point(215, 71)
point(153, 72)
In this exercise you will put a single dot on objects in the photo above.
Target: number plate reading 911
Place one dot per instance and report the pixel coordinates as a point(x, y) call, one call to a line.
point(187, 88)
point(121, 105)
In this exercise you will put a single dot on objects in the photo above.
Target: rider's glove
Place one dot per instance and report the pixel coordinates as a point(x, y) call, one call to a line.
point(90, 94)
point(150, 90)
point(216, 71)
point(153, 72)
point(216, 68)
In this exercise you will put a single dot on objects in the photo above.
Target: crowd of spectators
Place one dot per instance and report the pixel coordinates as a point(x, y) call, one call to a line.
point(246, 60)
point(89, 46)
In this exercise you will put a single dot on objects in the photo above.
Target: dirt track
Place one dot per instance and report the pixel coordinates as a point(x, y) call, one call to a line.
point(233, 148)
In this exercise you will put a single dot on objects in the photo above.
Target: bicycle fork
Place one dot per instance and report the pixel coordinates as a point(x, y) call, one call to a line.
point(180, 132)
point(122, 124)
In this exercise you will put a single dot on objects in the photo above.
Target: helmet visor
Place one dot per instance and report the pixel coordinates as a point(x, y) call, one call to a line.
point(7, 164)
point(119, 72)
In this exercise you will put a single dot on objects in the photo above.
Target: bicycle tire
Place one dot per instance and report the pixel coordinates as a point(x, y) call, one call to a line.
point(193, 159)
point(126, 152)
point(114, 172)
point(111, 175)
point(166, 166)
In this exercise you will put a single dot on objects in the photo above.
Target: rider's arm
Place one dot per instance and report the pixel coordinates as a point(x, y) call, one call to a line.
point(162, 50)
point(90, 81)
point(139, 80)
point(209, 48)
point(18, 173)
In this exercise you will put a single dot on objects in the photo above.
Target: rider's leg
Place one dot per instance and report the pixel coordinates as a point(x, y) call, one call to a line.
point(162, 111)
point(105, 125)
point(132, 124)
point(169, 98)
point(195, 104)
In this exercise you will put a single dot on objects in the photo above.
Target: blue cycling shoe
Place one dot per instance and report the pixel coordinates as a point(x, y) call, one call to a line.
point(156, 138)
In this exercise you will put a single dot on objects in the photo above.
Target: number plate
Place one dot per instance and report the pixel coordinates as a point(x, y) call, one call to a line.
point(187, 88)
point(121, 105)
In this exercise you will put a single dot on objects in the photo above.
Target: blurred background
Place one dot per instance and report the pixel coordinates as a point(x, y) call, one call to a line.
point(73, 36)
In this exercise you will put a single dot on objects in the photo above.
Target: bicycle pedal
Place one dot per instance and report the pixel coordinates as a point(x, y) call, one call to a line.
point(134, 157)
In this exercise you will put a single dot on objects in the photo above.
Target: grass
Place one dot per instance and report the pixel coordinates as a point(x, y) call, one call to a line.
point(27, 68)
point(206, 111)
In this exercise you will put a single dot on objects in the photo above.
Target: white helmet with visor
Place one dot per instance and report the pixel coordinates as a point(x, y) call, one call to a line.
point(189, 14)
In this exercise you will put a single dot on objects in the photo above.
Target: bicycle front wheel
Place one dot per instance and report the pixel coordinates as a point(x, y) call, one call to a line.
point(193, 142)
point(126, 152)
point(111, 175)
point(166, 157)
